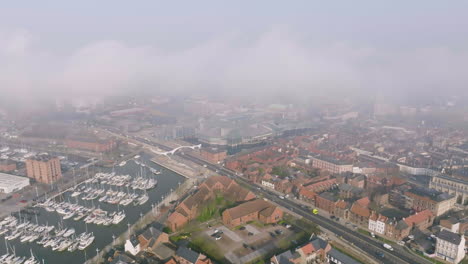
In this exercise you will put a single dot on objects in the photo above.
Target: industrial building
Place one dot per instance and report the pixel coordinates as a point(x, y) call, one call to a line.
point(11, 183)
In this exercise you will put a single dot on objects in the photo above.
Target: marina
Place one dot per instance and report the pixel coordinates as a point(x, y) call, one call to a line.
point(72, 227)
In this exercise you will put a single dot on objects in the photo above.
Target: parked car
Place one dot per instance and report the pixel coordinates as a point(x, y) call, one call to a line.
point(372, 234)
point(242, 228)
point(387, 246)
point(218, 237)
point(401, 243)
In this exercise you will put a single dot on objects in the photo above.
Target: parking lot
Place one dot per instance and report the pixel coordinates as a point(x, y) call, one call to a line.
point(245, 243)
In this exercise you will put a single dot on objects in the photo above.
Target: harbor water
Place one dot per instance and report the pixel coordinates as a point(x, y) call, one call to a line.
point(167, 180)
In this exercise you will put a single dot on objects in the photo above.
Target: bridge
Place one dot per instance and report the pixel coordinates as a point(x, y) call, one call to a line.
point(172, 152)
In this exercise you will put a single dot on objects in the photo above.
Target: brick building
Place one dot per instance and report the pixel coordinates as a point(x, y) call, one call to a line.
point(326, 201)
point(421, 220)
point(331, 164)
point(360, 213)
point(44, 169)
point(213, 155)
point(257, 210)
point(91, 144)
point(420, 199)
point(7, 165)
point(189, 209)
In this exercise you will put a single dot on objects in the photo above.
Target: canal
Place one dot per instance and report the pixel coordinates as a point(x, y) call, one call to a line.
point(167, 180)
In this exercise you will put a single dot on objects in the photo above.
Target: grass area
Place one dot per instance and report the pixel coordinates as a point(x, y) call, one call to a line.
point(257, 224)
point(364, 232)
point(385, 240)
point(208, 212)
point(214, 208)
point(367, 233)
point(208, 247)
point(307, 225)
point(178, 237)
point(299, 238)
point(167, 229)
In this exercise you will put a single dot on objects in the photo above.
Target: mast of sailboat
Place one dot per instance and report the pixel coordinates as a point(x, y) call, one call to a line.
point(6, 245)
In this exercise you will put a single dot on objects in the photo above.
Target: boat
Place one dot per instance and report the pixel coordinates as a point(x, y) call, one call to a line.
point(154, 171)
point(142, 200)
point(33, 238)
point(61, 232)
point(49, 209)
point(86, 242)
point(69, 215)
point(79, 216)
point(73, 247)
point(14, 235)
point(118, 217)
point(25, 238)
point(65, 245)
point(75, 194)
point(126, 202)
point(69, 232)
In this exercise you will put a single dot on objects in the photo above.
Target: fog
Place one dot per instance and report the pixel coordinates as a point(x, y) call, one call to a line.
point(402, 50)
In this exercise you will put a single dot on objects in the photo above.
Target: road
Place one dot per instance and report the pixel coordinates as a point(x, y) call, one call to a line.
point(399, 255)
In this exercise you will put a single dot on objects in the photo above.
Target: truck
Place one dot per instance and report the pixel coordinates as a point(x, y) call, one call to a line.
point(387, 246)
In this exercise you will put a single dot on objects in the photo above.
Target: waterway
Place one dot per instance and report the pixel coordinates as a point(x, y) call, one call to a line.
point(167, 180)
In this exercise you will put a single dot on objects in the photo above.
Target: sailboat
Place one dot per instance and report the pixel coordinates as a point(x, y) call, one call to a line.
point(31, 260)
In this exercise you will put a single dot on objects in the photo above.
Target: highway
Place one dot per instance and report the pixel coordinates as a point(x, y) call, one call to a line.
point(399, 255)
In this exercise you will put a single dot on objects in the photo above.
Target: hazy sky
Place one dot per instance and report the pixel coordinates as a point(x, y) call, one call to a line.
point(304, 48)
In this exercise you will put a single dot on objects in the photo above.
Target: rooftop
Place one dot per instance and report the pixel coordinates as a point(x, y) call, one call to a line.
point(430, 194)
point(450, 237)
point(187, 254)
point(11, 180)
point(43, 157)
point(342, 257)
point(418, 217)
point(328, 196)
point(249, 207)
point(331, 160)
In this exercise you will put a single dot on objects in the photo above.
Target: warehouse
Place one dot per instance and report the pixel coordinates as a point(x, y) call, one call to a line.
point(11, 183)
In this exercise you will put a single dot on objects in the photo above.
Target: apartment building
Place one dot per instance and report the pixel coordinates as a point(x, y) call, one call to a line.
point(44, 169)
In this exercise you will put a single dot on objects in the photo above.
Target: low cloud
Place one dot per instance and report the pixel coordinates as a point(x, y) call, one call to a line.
point(276, 62)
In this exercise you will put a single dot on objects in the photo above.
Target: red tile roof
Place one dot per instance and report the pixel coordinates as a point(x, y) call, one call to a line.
point(251, 207)
point(341, 204)
point(418, 217)
point(364, 202)
point(359, 210)
point(307, 193)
